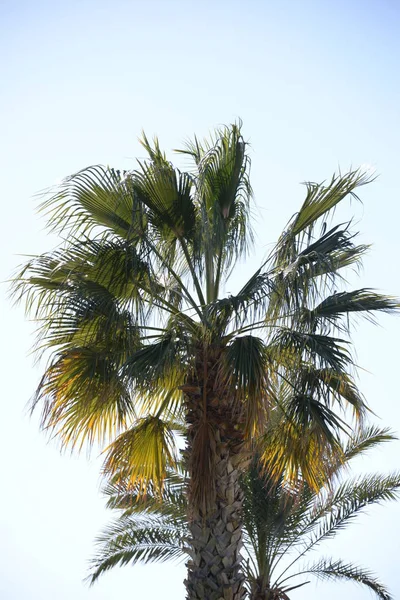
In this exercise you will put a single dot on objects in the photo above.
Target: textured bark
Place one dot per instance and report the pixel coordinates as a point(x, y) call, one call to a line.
point(214, 568)
point(215, 457)
point(260, 590)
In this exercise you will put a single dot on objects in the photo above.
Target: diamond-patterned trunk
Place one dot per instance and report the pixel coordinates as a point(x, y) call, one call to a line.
point(214, 567)
point(214, 458)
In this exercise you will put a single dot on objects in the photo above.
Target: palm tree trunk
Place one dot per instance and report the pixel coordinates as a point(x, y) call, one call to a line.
point(215, 500)
point(260, 590)
point(214, 571)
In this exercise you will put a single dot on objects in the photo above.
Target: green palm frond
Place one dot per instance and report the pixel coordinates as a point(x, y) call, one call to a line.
point(137, 538)
point(159, 368)
point(313, 256)
point(223, 168)
point(167, 194)
point(247, 308)
point(333, 512)
point(366, 439)
point(365, 301)
point(93, 197)
point(337, 569)
point(223, 193)
point(335, 387)
point(289, 347)
point(322, 198)
point(245, 371)
point(92, 279)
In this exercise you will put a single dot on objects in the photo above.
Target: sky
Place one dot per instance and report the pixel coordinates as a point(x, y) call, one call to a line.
point(317, 86)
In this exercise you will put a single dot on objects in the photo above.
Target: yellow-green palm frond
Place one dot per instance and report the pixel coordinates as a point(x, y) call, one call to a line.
point(300, 451)
point(83, 397)
point(167, 194)
point(142, 454)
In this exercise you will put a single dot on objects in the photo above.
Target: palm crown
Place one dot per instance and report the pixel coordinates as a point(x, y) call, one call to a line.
point(130, 308)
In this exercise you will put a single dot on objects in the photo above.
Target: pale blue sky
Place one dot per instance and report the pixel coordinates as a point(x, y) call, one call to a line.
point(317, 86)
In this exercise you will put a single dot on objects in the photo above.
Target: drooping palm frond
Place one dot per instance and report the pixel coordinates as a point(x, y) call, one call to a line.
point(326, 351)
point(83, 398)
point(170, 501)
point(137, 538)
point(338, 569)
point(332, 513)
point(245, 371)
point(143, 453)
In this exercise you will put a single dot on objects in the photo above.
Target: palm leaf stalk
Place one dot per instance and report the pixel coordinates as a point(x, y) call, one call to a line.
point(132, 317)
point(282, 523)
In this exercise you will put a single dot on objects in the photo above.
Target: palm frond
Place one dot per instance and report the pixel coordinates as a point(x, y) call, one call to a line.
point(166, 192)
point(223, 193)
point(337, 569)
point(246, 307)
point(290, 347)
point(170, 501)
point(160, 365)
point(135, 538)
point(342, 303)
point(83, 397)
point(366, 439)
point(321, 198)
point(334, 387)
point(245, 370)
point(93, 197)
point(301, 451)
point(333, 512)
point(142, 454)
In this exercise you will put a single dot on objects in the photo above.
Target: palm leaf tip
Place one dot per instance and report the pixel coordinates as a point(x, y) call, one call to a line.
point(329, 569)
point(367, 438)
point(363, 300)
point(322, 198)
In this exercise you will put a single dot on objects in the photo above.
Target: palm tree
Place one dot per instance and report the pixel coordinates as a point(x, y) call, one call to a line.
point(282, 523)
point(138, 333)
